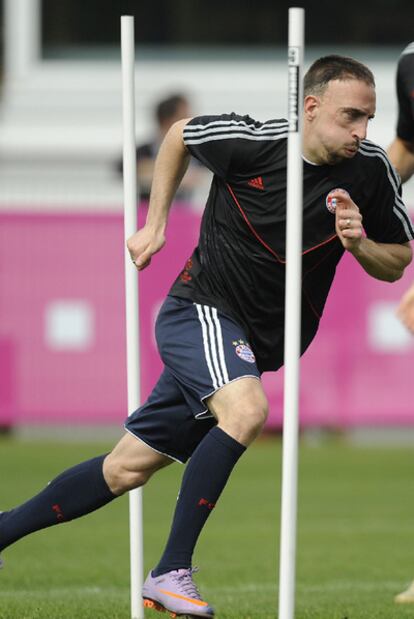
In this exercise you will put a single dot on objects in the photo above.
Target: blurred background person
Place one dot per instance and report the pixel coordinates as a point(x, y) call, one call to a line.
point(401, 150)
point(401, 153)
point(166, 112)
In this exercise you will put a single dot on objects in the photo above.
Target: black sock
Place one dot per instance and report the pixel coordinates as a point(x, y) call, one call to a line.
point(75, 492)
point(204, 479)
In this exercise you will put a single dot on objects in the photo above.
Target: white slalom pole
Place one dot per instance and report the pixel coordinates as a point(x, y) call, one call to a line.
point(292, 318)
point(131, 295)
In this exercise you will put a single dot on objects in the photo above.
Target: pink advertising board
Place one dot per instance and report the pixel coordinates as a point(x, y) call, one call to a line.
point(62, 332)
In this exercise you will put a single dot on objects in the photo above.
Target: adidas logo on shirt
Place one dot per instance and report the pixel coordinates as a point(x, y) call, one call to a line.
point(257, 183)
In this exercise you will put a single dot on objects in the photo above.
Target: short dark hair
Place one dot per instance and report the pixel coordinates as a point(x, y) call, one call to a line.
point(167, 108)
point(333, 67)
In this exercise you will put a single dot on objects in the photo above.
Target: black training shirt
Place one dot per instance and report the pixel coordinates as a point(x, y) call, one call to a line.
point(405, 93)
point(239, 263)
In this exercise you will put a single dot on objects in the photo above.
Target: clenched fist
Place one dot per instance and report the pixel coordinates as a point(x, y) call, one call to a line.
point(348, 220)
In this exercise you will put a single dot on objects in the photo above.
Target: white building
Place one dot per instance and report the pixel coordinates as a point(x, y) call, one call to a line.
point(60, 120)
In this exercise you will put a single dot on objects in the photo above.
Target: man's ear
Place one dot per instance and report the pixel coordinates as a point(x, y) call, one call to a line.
point(310, 107)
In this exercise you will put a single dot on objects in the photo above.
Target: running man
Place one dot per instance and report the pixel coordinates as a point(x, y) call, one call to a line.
point(222, 323)
point(401, 154)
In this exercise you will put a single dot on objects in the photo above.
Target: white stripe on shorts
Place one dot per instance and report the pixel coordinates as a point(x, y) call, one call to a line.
point(213, 345)
point(220, 345)
point(206, 346)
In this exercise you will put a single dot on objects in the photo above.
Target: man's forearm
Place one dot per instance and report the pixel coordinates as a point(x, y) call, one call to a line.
point(170, 167)
point(384, 261)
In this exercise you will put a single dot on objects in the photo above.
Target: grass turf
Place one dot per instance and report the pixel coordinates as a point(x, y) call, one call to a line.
point(354, 537)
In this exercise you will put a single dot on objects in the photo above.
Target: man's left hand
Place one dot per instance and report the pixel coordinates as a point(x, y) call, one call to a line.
point(348, 221)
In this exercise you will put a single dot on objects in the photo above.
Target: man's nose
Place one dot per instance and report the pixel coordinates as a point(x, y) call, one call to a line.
point(360, 131)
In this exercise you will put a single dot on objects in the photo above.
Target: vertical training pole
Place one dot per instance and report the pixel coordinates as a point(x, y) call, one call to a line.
point(131, 295)
point(292, 317)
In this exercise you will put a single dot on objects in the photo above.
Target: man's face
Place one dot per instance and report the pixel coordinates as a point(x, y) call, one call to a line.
point(337, 120)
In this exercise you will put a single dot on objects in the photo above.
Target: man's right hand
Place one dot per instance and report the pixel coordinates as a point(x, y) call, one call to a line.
point(144, 244)
point(170, 166)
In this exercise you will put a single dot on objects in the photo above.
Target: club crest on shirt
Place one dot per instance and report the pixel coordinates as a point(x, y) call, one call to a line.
point(331, 202)
point(243, 350)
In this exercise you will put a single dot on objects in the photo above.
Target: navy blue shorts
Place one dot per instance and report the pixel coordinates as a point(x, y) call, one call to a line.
point(202, 350)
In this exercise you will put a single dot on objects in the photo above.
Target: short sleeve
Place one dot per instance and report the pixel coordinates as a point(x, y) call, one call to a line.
point(405, 94)
point(386, 219)
point(228, 143)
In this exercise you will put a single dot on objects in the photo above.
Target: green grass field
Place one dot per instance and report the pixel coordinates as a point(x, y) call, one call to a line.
point(355, 537)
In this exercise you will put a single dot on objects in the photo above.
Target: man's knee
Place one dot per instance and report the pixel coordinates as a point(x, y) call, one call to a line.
point(121, 478)
point(244, 418)
point(241, 409)
point(130, 465)
point(248, 421)
point(256, 416)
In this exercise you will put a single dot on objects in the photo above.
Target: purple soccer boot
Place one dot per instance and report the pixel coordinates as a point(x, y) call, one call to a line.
point(176, 593)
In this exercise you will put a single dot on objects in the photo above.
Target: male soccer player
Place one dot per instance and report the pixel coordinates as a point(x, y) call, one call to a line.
point(401, 150)
point(222, 324)
point(401, 154)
